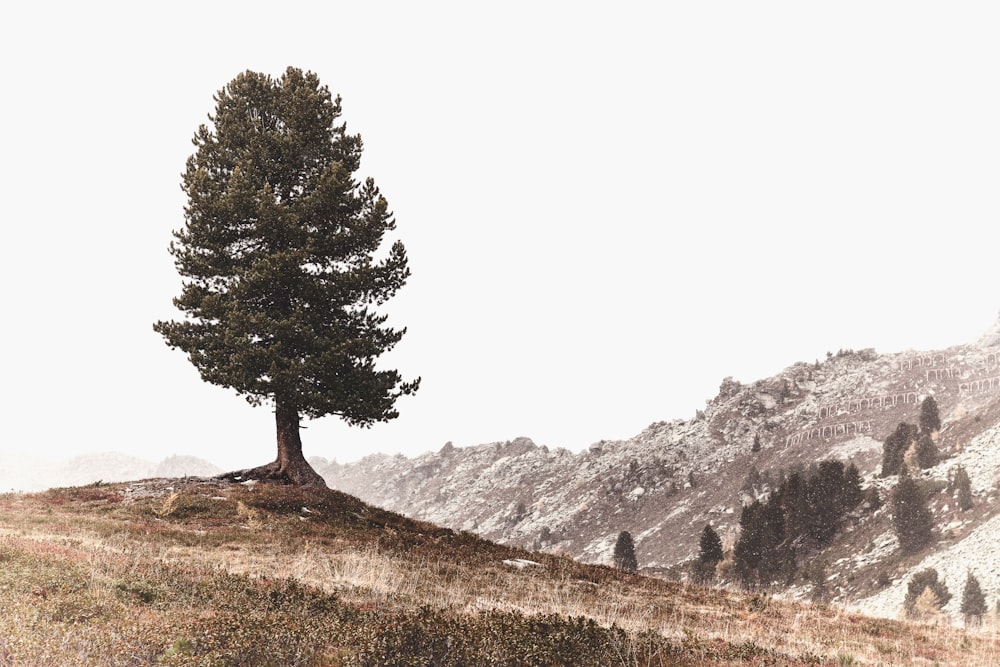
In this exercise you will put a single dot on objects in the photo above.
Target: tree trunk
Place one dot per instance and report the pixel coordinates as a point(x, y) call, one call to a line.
point(290, 467)
point(290, 461)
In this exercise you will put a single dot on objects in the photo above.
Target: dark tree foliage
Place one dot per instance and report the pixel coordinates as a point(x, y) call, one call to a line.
point(851, 493)
point(930, 420)
point(777, 557)
point(962, 486)
point(973, 600)
point(709, 553)
point(749, 548)
point(624, 556)
point(283, 263)
point(805, 511)
point(710, 547)
point(920, 582)
point(927, 452)
point(761, 554)
point(895, 446)
point(756, 443)
point(792, 496)
point(911, 518)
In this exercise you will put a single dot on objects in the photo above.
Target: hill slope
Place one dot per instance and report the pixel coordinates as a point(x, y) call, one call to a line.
point(666, 483)
point(202, 572)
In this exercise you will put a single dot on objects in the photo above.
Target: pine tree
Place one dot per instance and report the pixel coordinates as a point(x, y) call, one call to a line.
point(920, 582)
point(927, 452)
point(973, 600)
point(777, 559)
point(756, 443)
point(748, 551)
point(930, 420)
point(624, 556)
point(895, 446)
point(281, 256)
point(911, 518)
point(851, 492)
point(792, 496)
point(963, 486)
point(709, 547)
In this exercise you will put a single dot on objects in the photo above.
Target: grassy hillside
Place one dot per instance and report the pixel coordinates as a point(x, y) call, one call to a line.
point(199, 572)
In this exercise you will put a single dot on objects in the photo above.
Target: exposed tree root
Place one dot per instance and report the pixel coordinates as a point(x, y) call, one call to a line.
point(301, 474)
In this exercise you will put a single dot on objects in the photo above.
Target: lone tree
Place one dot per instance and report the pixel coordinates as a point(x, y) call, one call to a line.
point(625, 553)
point(962, 485)
point(973, 601)
point(278, 256)
point(930, 418)
point(911, 518)
point(709, 552)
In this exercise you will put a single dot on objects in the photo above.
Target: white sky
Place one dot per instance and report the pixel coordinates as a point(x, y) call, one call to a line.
point(607, 210)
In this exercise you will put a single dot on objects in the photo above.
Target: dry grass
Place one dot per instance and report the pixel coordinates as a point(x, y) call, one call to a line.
point(212, 573)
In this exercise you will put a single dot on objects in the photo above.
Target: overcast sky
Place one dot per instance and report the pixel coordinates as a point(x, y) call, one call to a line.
point(607, 209)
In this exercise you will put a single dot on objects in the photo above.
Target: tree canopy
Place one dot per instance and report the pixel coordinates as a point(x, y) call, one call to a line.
point(283, 264)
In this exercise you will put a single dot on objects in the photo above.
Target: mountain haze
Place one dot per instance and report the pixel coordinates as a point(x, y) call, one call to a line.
point(26, 473)
point(666, 483)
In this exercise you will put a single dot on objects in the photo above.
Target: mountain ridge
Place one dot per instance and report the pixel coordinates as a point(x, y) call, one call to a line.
point(674, 477)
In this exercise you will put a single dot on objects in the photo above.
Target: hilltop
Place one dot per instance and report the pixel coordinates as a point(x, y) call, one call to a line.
point(204, 572)
point(666, 483)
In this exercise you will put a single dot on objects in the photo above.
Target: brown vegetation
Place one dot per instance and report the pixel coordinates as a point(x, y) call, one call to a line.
point(204, 572)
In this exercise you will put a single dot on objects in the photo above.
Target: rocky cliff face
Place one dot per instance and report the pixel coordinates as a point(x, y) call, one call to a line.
point(667, 482)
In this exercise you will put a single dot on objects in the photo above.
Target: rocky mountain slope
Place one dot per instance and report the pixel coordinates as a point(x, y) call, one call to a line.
point(666, 483)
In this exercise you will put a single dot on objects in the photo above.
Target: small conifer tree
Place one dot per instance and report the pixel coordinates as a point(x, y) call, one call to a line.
point(973, 600)
point(756, 443)
point(748, 552)
point(927, 452)
point(963, 487)
point(930, 419)
point(911, 518)
point(895, 446)
point(851, 492)
point(624, 556)
point(709, 551)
